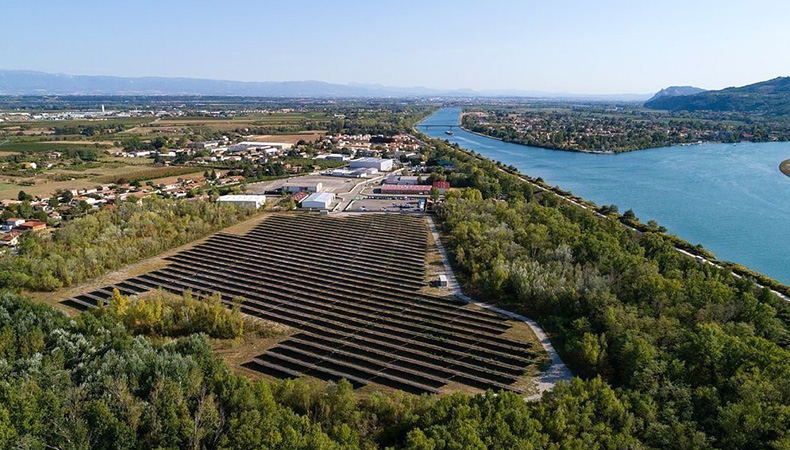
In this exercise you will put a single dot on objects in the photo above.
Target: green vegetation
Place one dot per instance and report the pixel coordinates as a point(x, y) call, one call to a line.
point(616, 129)
point(767, 98)
point(670, 353)
point(697, 357)
point(43, 146)
point(93, 245)
point(148, 173)
point(161, 313)
point(88, 382)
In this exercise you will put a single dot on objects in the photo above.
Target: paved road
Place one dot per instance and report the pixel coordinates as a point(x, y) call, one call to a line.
point(348, 197)
point(557, 371)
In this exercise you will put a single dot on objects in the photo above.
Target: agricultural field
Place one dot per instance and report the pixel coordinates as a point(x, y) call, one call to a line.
point(353, 289)
point(71, 128)
point(254, 124)
point(109, 172)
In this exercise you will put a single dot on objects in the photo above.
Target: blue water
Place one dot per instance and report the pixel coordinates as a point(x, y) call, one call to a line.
point(732, 199)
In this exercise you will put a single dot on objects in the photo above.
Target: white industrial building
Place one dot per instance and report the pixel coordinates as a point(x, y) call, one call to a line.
point(254, 145)
point(355, 173)
point(334, 157)
point(382, 165)
point(319, 200)
point(255, 201)
point(294, 185)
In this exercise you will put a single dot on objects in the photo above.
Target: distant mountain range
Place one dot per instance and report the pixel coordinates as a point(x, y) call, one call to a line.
point(22, 82)
point(676, 91)
point(770, 97)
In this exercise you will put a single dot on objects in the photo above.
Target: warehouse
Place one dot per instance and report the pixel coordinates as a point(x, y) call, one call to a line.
point(319, 200)
point(353, 173)
point(255, 201)
point(296, 185)
point(252, 145)
point(413, 189)
point(334, 157)
point(403, 179)
point(383, 165)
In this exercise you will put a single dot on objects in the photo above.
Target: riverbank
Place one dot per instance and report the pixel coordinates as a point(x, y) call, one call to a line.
point(593, 152)
point(673, 197)
point(784, 166)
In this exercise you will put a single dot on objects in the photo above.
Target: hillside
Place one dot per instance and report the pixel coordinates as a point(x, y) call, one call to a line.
point(770, 98)
point(676, 91)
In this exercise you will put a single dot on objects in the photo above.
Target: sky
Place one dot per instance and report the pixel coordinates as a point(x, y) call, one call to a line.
point(576, 46)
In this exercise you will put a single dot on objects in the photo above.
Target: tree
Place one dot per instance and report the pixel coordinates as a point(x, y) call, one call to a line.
point(434, 194)
point(23, 196)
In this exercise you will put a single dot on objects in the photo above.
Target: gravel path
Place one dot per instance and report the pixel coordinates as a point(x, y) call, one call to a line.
point(558, 371)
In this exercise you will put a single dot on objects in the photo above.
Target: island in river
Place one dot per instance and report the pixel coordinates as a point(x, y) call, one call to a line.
point(730, 198)
point(784, 166)
point(603, 128)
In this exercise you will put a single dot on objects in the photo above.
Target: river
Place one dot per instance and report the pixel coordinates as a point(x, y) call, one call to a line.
point(732, 199)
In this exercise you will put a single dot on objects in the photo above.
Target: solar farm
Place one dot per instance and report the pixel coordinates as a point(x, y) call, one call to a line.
point(354, 288)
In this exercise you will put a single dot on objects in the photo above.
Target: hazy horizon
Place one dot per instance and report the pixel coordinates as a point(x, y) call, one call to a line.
point(611, 47)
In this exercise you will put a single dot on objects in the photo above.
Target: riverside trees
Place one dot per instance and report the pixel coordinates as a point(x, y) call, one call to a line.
point(697, 358)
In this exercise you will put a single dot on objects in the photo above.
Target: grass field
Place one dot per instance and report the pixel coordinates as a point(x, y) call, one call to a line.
point(45, 184)
point(148, 173)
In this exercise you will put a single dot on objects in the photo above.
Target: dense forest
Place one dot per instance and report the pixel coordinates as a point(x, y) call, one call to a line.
point(89, 383)
point(95, 244)
point(698, 357)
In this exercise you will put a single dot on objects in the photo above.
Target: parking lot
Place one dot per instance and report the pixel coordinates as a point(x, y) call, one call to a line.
point(385, 204)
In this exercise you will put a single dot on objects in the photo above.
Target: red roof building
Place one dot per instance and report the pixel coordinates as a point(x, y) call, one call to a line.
point(414, 189)
point(299, 196)
point(32, 225)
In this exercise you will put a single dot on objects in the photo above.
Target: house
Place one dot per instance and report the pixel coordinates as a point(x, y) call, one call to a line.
point(10, 239)
point(32, 225)
point(11, 223)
